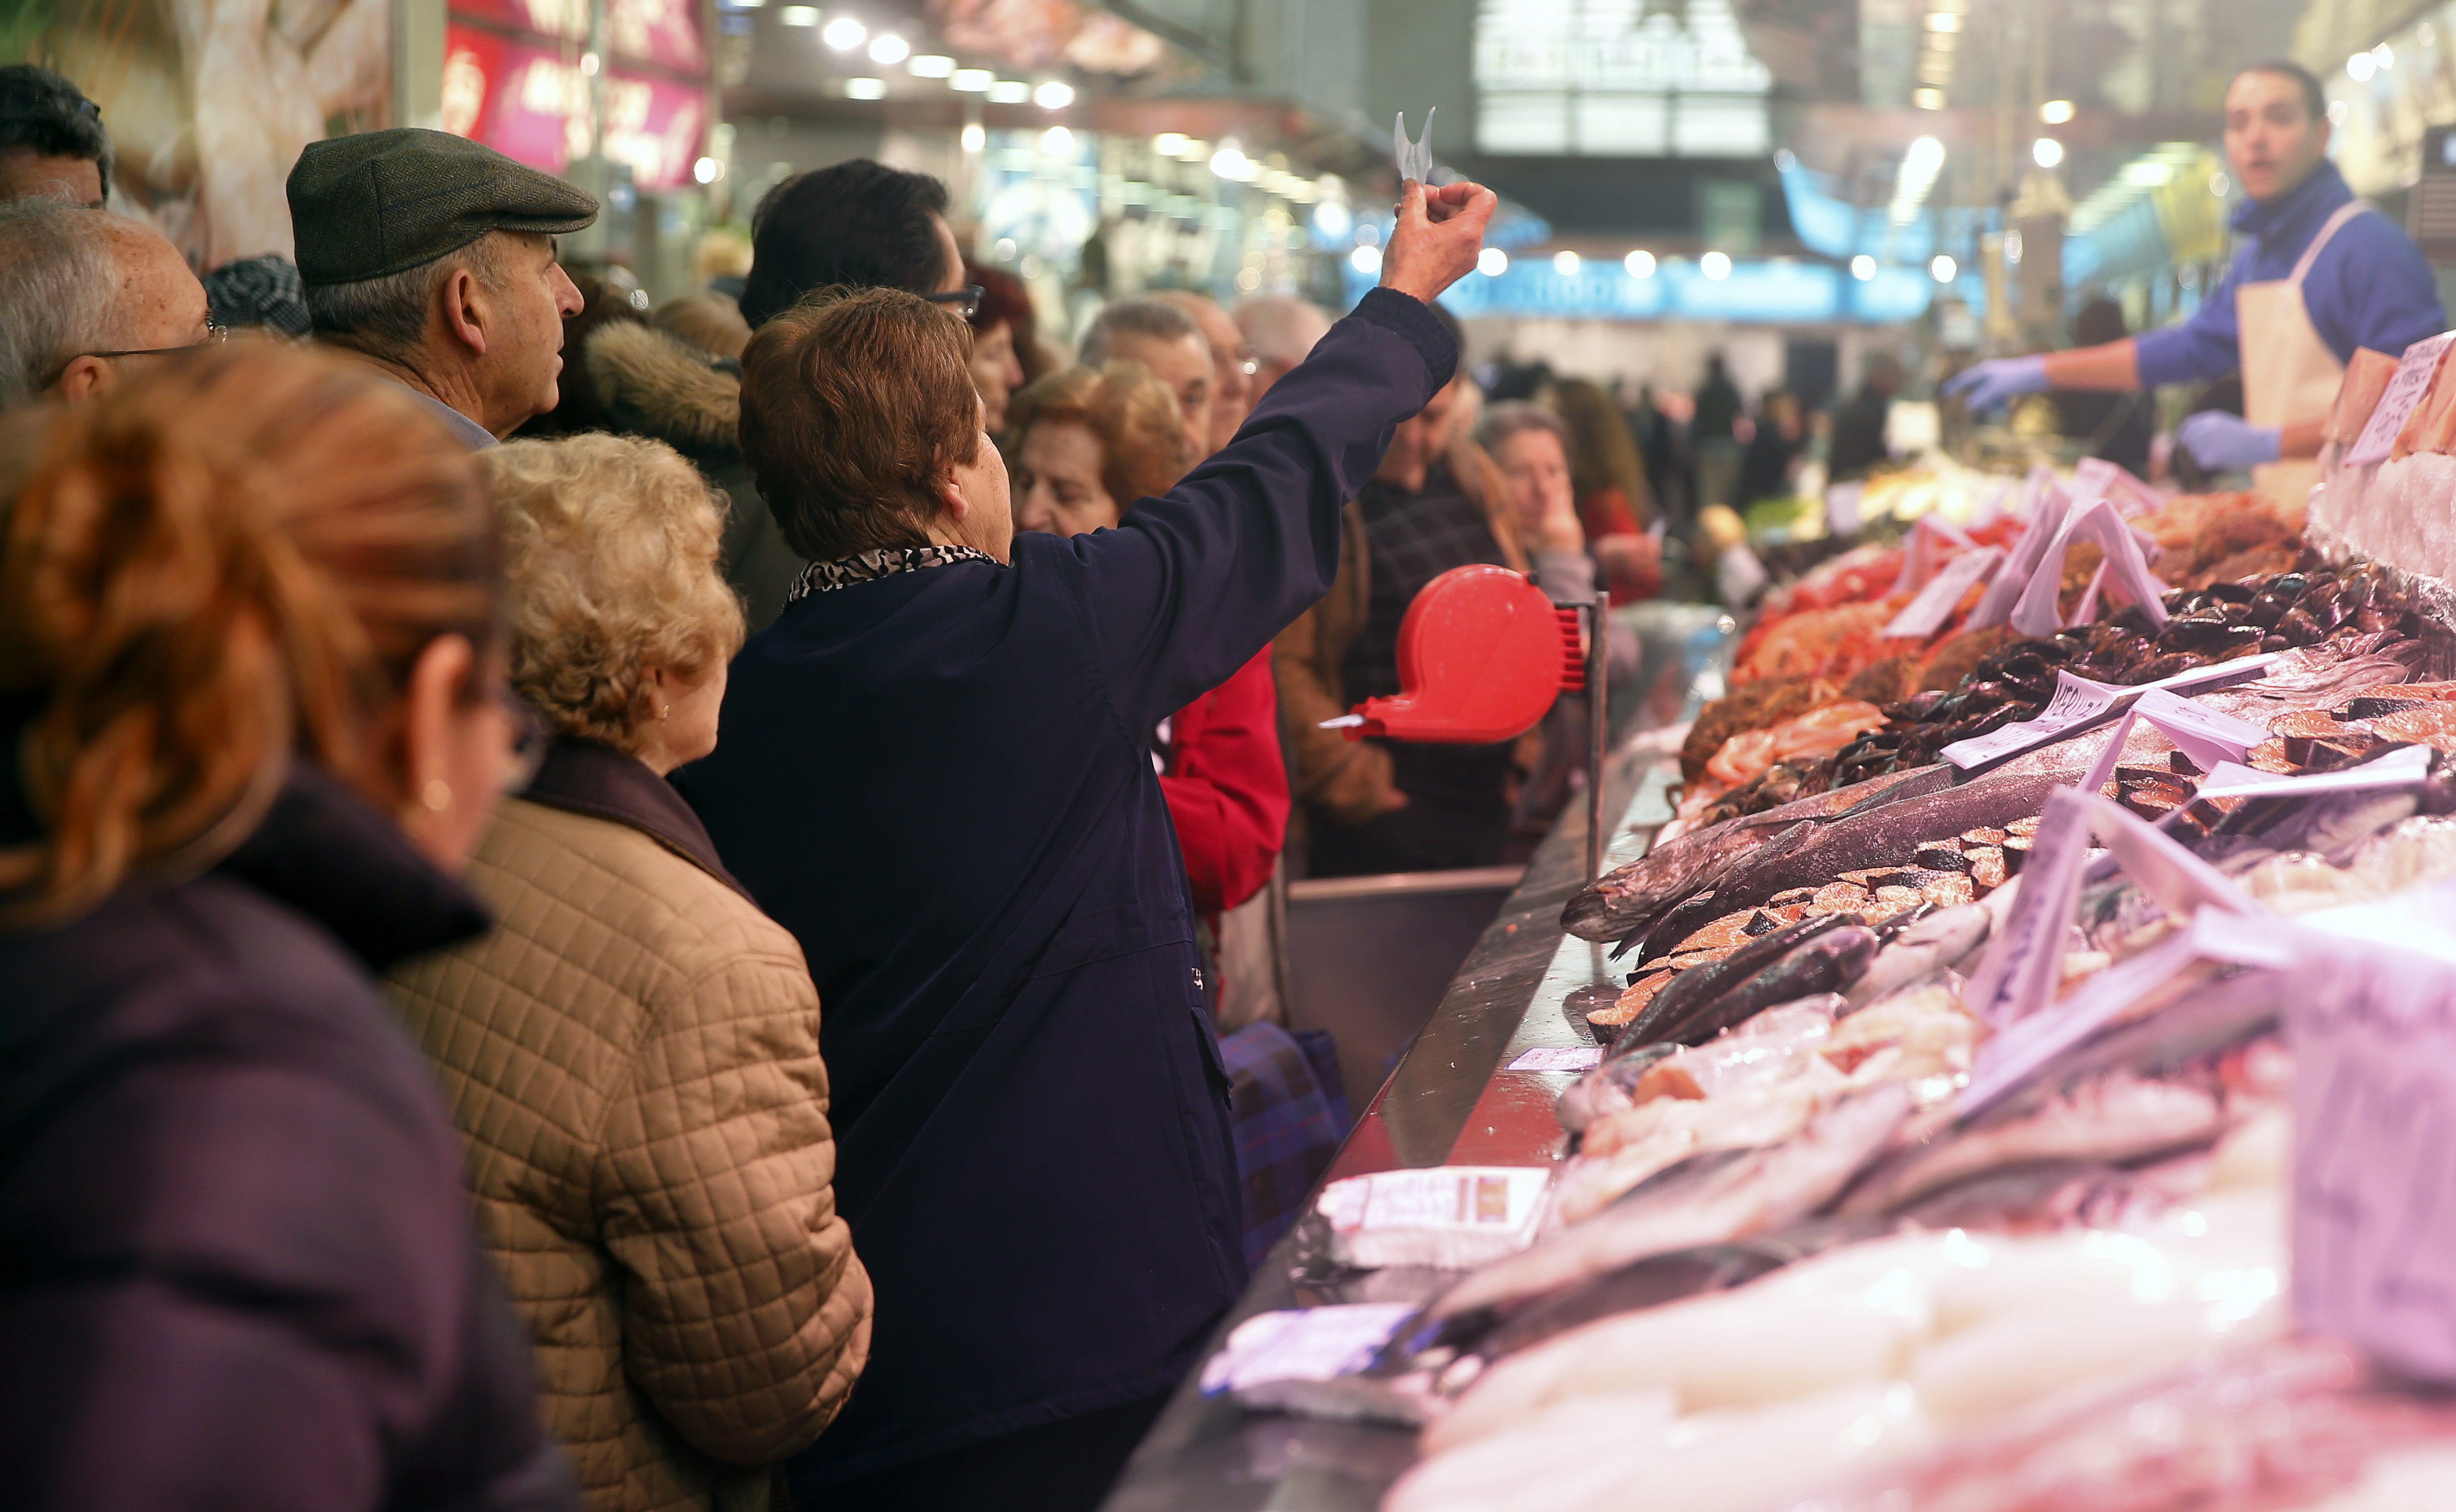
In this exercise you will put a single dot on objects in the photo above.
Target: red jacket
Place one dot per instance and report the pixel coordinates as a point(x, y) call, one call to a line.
point(1227, 787)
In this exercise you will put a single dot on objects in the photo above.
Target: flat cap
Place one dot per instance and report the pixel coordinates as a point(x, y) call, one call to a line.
point(377, 203)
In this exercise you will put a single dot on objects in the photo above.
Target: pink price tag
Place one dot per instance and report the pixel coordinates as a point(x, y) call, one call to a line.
point(2096, 478)
point(1925, 551)
point(2404, 391)
point(2046, 519)
point(2022, 968)
point(2036, 613)
point(2373, 1032)
point(1926, 614)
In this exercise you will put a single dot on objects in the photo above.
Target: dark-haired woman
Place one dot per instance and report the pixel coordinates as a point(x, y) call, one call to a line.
point(257, 721)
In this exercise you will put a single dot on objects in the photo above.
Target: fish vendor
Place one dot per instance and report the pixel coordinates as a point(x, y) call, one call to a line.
point(2318, 275)
point(935, 772)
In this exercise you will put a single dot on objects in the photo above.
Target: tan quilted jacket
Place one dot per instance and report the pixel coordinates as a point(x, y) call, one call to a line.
point(634, 1057)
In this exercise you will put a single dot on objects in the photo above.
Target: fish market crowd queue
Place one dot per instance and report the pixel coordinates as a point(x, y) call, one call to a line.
point(826, 1127)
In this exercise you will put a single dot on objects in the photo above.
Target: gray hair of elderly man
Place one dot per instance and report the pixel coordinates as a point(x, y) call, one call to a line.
point(1157, 318)
point(1509, 417)
point(57, 270)
point(386, 317)
point(1280, 327)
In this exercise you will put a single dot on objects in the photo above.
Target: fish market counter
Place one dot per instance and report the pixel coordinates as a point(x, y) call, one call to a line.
point(1452, 1100)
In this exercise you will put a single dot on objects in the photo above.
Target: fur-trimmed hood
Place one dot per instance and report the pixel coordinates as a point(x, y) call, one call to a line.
point(661, 386)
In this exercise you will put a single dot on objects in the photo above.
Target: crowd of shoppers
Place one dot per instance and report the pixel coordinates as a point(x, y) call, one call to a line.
point(409, 1095)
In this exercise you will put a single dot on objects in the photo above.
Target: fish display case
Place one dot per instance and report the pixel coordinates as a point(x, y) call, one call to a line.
point(1924, 1106)
point(1452, 1100)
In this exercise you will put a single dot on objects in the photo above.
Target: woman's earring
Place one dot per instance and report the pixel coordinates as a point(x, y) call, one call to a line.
point(664, 712)
point(436, 795)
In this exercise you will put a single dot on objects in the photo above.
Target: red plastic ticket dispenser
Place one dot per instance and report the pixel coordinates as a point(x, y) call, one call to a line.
point(1482, 656)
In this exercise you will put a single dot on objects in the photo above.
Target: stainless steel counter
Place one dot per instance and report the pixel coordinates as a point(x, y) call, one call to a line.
point(1447, 1103)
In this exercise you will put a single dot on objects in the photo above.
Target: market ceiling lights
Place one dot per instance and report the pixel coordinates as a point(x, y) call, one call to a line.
point(889, 48)
point(1491, 262)
point(801, 16)
point(931, 66)
point(1639, 263)
point(2046, 152)
point(1009, 92)
point(2054, 113)
point(1921, 163)
point(1939, 40)
point(1863, 267)
point(1053, 95)
point(1565, 262)
point(1943, 270)
point(1367, 260)
point(865, 89)
point(970, 81)
point(844, 33)
point(2150, 171)
point(1715, 265)
point(2361, 66)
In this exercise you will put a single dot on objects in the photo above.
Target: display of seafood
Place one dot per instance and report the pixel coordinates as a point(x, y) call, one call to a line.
point(1831, 1230)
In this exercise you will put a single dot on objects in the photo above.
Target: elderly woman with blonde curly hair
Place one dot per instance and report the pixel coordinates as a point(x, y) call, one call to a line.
point(633, 1054)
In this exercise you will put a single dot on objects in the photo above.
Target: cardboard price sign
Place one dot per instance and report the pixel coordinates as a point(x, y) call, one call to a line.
point(1924, 552)
point(2404, 391)
point(2373, 1031)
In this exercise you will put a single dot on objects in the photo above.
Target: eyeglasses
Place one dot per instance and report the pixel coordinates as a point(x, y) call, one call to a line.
point(964, 303)
point(215, 333)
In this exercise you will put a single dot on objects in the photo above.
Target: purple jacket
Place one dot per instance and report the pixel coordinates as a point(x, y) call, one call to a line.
point(238, 1268)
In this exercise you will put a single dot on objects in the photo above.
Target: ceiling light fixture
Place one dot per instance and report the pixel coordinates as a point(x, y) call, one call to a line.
point(865, 89)
point(1639, 263)
point(972, 81)
point(2054, 113)
point(844, 33)
point(931, 66)
point(1053, 95)
point(886, 49)
point(1715, 265)
point(1565, 262)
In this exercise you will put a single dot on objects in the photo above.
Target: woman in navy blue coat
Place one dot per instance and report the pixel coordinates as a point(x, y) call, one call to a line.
point(936, 772)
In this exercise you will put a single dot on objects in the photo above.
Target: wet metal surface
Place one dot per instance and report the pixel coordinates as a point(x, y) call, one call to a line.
point(1449, 1102)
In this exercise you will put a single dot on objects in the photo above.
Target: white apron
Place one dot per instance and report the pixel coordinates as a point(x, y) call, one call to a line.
point(2289, 375)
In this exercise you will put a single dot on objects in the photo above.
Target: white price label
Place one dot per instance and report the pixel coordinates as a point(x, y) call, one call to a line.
point(2406, 766)
point(2373, 1034)
point(1842, 503)
point(2404, 391)
point(1559, 1057)
point(2078, 703)
point(1925, 615)
point(1318, 1343)
point(1438, 1197)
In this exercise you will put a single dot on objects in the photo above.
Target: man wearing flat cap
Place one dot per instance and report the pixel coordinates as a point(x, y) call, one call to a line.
point(433, 257)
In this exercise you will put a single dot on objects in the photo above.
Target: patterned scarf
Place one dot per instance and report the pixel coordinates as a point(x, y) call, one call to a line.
point(826, 577)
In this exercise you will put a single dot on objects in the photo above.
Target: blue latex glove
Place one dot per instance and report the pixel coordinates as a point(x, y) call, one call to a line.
point(1991, 385)
point(2224, 442)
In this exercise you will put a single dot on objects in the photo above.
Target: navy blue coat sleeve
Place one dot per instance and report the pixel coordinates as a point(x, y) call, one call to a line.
point(1198, 581)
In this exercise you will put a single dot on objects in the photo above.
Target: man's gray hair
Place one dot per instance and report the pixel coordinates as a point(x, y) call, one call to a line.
point(386, 317)
point(1508, 418)
point(57, 270)
point(1280, 327)
point(1156, 319)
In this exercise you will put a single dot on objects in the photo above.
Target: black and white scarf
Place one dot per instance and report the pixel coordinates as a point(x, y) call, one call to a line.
point(826, 577)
